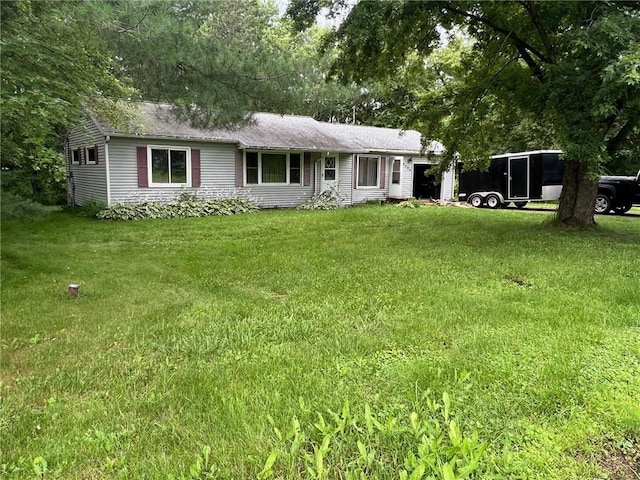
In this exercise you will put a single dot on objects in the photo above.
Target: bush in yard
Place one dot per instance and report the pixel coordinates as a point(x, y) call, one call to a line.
point(395, 442)
point(191, 206)
point(410, 203)
point(327, 200)
point(16, 207)
point(91, 208)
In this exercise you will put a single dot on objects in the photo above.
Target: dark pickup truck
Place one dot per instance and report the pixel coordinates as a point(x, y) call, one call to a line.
point(617, 194)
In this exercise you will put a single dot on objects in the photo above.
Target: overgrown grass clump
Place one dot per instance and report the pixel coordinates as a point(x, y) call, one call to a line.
point(14, 207)
point(229, 346)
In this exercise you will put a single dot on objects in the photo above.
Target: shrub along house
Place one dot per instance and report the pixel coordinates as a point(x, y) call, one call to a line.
point(281, 160)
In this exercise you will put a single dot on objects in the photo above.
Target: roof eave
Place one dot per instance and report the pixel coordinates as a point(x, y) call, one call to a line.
point(172, 137)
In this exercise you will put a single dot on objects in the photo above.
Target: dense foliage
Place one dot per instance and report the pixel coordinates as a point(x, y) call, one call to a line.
point(217, 61)
point(178, 209)
point(545, 74)
point(51, 61)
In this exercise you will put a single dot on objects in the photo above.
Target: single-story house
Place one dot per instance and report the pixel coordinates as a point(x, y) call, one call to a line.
point(280, 160)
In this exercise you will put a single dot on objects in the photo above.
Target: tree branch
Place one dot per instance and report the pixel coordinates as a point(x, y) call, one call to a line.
point(614, 143)
point(523, 47)
point(530, 7)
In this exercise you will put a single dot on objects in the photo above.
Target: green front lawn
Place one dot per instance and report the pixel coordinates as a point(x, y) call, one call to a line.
point(189, 334)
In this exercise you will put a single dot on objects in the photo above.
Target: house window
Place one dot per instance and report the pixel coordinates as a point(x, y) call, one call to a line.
point(91, 154)
point(271, 167)
point(274, 168)
point(395, 171)
point(368, 171)
point(75, 156)
point(294, 168)
point(169, 166)
point(252, 167)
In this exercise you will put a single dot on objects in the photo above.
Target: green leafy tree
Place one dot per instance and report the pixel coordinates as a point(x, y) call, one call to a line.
point(51, 62)
point(562, 74)
point(217, 61)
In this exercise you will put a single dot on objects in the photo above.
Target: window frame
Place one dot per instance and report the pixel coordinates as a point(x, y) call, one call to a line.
point(76, 157)
point(287, 167)
point(168, 148)
point(86, 155)
point(395, 181)
point(370, 187)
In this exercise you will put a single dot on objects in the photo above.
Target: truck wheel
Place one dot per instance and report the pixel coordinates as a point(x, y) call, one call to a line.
point(475, 201)
point(603, 203)
point(493, 201)
point(520, 204)
point(622, 210)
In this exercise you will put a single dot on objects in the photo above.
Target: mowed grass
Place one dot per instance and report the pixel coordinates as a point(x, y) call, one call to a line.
point(188, 334)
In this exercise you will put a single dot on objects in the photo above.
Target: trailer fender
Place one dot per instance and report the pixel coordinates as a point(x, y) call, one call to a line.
point(494, 200)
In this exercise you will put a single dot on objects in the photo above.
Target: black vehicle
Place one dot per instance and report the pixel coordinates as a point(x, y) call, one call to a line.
point(617, 193)
point(514, 177)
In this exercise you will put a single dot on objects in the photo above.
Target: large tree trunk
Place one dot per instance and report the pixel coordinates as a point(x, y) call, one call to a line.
point(578, 196)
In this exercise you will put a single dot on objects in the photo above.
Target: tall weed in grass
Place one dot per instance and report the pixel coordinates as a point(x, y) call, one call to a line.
point(188, 334)
point(402, 441)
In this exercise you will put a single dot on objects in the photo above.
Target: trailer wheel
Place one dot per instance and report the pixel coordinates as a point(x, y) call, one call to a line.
point(475, 201)
point(520, 204)
point(493, 201)
point(603, 203)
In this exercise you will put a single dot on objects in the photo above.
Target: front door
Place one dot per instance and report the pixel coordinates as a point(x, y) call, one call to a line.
point(329, 172)
point(395, 187)
point(519, 177)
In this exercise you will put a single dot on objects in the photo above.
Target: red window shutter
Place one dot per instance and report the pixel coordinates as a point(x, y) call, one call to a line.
point(143, 169)
point(195, 167)
point(239, 168)
point(307, 168)
point(383, 171)
point(95, 153)
point(83, 156)
point(355, 171)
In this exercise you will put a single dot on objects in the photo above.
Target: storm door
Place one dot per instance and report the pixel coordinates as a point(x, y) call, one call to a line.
point(329, 172)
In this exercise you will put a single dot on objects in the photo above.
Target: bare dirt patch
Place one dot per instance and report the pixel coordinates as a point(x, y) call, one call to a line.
point(622, 462)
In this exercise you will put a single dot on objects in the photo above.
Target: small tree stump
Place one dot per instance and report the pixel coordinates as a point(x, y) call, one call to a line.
point(73, 290)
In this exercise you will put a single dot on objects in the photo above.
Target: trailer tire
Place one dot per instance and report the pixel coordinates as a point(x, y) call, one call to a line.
point(493, 201)
point(603, 204)
point(520, 204)
point(475, 201)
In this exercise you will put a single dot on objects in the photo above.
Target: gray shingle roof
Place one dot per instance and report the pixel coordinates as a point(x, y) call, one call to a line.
point(277, 132)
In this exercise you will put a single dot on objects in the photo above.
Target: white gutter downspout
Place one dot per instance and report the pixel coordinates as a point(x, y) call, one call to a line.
point(106, 167)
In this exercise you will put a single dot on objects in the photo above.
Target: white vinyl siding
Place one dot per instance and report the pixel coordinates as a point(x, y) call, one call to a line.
point(216, 169)
point(86, 181)
point(217, 174)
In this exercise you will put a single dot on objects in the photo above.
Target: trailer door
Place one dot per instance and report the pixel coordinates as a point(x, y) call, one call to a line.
point(519, 177)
